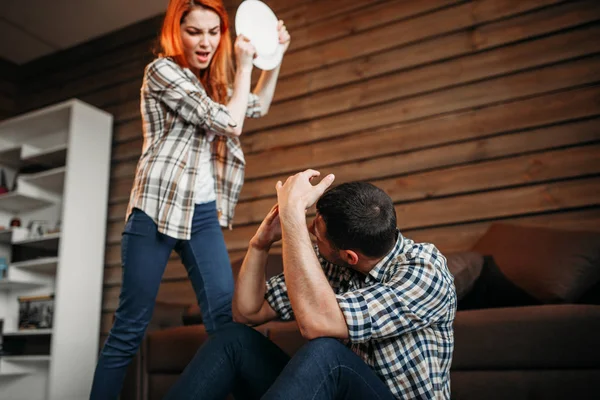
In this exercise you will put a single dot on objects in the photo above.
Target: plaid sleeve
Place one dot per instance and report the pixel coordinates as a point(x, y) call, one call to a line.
point(253, 110)
point(411, 301)
point(277, 297)
point(167, 82)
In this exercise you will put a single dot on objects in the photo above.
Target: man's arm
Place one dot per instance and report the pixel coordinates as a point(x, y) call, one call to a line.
point(312, 298)
point(249, 305)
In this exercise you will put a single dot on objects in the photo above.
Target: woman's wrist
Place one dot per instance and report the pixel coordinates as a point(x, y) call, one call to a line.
point(244, 68)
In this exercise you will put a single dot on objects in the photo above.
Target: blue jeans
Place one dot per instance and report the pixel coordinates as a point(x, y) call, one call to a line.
point(145, 253)
point(240, 360)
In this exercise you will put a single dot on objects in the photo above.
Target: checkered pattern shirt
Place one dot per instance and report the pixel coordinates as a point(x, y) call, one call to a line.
point(179, 120)
point(399, 317)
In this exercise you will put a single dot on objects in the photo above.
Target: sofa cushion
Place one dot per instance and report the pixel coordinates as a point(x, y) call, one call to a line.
point(492, 289)
point(553, 265)
point(170, 350)
point(543, 337)
point(466, 268)
point(557, 384)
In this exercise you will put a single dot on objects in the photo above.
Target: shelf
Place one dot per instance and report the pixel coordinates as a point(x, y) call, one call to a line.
point(17, 202)
point(28, 127)
point(46, 265)
point(29, 332)
point(51, 158)
point(14, 373)
point(6, 236)
point(46, 242)
point(7, 284)
point(11, 157)
point(52, 180)
point(25, 358)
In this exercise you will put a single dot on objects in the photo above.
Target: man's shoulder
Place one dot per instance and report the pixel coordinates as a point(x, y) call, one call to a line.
point(418, 254)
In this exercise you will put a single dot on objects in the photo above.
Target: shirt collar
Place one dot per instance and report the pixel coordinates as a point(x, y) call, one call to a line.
point(379, 270)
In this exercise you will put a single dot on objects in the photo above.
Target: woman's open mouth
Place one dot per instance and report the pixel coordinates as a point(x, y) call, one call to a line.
point(203, 56)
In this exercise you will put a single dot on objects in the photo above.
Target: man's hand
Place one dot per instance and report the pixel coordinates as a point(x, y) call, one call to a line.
point(298, 193)
point(268, 232)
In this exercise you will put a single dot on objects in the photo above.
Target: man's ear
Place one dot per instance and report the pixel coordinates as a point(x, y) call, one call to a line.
point(350, 256)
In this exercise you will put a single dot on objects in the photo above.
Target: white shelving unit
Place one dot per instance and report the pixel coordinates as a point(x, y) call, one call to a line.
point(59, 158)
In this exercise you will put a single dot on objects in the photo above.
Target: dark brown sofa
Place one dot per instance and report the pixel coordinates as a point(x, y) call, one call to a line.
point(516, 336)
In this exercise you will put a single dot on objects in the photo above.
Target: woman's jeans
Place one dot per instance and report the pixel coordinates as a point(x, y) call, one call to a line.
point(145, 253)
point(239, 360)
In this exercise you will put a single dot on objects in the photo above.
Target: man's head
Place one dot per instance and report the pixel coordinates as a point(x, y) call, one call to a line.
point(355, 224)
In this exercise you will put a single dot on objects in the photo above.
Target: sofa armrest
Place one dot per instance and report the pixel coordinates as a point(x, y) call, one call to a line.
point(548, 336)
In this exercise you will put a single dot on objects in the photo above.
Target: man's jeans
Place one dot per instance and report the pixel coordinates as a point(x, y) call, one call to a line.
point(239, 360)
point(145, 253)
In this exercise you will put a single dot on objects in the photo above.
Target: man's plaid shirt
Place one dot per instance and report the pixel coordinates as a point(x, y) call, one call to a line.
point(178, 120)
point(399, 316)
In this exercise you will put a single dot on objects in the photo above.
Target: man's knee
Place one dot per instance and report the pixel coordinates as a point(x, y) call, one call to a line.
point(324, 348)
point(236, 332)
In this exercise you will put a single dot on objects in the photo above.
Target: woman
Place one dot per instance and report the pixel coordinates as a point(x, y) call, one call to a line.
point(189, 175)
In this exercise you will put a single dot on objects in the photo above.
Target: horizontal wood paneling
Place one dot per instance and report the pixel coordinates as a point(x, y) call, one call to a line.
point(400, 138)
point(465, 112)
point(423, 80)
point(449, 239)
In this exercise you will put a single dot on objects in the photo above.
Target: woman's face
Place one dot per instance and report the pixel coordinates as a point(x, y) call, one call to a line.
point(200, 35)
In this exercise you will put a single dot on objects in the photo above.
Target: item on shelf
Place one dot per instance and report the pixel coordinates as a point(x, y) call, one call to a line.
point(3, 268)
point(3, 186)
point(56, 228)
point(15, 182)
point(36, 312)
point(37, 229)
point(15, 222)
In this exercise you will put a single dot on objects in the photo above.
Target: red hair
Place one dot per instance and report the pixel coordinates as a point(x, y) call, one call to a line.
point(219, 74)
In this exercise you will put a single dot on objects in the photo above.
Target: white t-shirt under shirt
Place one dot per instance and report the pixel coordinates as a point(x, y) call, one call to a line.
point(204, 189)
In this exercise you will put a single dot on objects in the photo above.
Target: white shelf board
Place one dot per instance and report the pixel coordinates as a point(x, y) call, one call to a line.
point(47, 242)
point(7, 284)
point(51, 158)
point(11, 157)
point(14, 373)
point(25, 358)
point(52, 180)
point(45, 264)
point(16, 202)
point(33, 124)
point(6, 236)
point(29, 332)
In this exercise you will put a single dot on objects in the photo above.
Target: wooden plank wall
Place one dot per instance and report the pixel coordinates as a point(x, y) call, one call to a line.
point(465, 112)
point(8, 88)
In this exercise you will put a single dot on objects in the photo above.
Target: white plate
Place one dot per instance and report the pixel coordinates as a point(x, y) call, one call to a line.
point(255, 20)
point(267, 63)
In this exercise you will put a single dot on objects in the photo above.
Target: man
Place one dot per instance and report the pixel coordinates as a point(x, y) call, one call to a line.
point(377, 308)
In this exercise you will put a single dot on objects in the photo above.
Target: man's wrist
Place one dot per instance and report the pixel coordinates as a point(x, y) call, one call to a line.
point(292, 212)
point(257, 245)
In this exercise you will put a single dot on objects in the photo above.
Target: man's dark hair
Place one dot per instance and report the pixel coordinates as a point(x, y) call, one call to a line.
point(359, 216)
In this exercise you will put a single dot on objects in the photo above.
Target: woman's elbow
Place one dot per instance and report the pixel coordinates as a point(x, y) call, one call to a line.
point(236, 131)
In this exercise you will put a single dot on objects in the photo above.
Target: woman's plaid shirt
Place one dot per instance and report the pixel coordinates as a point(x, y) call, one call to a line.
point(399, 317)
point(178, 120)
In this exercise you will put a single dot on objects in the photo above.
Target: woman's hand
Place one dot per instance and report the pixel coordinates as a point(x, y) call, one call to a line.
point(244, 52)
point(284, 36)
point(269, 231)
